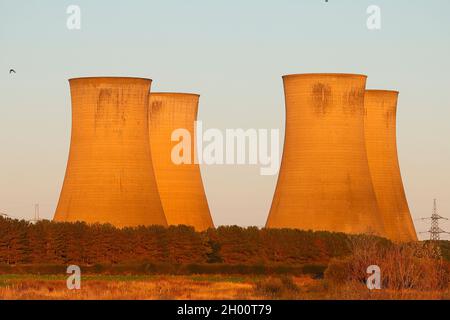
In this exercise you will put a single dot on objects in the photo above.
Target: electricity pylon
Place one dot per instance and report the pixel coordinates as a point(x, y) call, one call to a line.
point(435, 231)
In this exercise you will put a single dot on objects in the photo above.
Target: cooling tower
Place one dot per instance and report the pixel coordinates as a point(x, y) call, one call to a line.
point(324, 181)
point(380, 131)
point(180, 185)
point(109, 176)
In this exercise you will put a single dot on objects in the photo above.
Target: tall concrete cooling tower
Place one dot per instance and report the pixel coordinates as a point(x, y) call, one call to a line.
point(324, 181)
point(180, 185)
point(109, 176)
point(380, 131)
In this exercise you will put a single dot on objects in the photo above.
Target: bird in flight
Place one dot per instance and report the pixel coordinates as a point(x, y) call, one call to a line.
point(12, 71)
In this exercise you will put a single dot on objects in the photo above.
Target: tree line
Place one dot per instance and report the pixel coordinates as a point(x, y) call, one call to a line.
point(47, 242)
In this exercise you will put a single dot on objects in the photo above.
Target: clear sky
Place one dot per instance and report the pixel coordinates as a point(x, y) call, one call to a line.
point(233, 53)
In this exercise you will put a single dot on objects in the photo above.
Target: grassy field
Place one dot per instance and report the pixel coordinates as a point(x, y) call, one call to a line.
point(194, 287)
point(417, 270)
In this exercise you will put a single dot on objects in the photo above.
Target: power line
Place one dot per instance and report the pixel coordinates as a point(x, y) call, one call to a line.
point(4, 214)
point(36, 213)
point(35, 219)
point(435, 231)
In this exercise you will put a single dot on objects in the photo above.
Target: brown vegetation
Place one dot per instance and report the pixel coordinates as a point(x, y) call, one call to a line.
point(405, 268)
point(197, 287)
point(164, 287)
point(78, 243)
point(222, 263)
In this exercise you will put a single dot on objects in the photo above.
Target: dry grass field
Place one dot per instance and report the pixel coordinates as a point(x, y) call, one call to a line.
point(196, 287)
point(223, 263)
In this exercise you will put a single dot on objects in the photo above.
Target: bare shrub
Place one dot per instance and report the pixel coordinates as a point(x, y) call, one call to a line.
point(416, 266)
point(404, 266)
point(276, 287)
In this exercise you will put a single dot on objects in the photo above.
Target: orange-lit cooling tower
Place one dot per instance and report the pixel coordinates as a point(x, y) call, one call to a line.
point(380, 131)
point(324, 181)
point(109, 176)
point(180, 185)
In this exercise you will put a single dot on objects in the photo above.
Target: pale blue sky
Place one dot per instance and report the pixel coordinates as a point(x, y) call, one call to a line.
point(233, 53)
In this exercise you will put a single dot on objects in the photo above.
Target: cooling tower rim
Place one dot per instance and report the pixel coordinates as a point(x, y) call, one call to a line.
point(174, 94)
point(104, 78)
point(347, 75)
point(382, 91)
